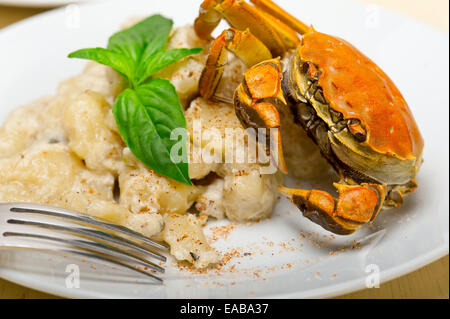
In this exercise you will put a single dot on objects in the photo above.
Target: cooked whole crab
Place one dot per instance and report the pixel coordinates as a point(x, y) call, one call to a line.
point(344, 101)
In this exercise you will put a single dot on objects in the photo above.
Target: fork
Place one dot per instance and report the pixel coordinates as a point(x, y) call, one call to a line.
point(46, 228)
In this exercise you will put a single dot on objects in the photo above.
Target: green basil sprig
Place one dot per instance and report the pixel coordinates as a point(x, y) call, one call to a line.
point(149, 109)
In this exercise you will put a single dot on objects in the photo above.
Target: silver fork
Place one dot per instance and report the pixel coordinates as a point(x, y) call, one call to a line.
point(40, 227)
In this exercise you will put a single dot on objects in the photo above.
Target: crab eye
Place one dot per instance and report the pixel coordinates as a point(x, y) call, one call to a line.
point(310, 70)
point(304, 66)
point(357, 130)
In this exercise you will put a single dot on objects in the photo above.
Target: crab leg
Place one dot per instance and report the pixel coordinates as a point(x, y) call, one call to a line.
point(208, 19)
point(276, 35)
point(242, 43)
point(274, 10)
point(356, 205)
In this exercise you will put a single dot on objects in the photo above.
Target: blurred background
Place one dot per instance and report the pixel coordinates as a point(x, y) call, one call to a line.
point(431, 281)
point(435, 12)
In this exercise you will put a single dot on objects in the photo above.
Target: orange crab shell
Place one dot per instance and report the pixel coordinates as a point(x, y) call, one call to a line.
point(355, 86)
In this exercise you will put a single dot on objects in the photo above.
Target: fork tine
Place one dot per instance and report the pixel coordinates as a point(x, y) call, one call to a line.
point(92, 233)
point(21, 208)
point(100, 250)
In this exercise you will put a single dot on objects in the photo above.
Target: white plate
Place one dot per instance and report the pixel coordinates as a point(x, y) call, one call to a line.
point(33, 61)
point(38, 3)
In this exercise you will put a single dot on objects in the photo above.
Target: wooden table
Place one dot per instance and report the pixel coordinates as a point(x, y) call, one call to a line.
point(431, 281)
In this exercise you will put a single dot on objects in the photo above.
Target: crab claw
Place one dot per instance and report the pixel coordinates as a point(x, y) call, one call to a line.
point(208, 19)
point(242, 43)
point(275, 34)
point(356, 205)
point(254, 105)
point(264, 118)
point(266, 114)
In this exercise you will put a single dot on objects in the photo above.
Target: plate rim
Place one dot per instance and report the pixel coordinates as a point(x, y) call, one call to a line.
point(354, 285)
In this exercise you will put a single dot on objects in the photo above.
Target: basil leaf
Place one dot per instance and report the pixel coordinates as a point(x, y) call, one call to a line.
point(147, 112)
point(122, 64)
point(159, 61)
point(146, 117)
point(133, 42)
point(156, 45)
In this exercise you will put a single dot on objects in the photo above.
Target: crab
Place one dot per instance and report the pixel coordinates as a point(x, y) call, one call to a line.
point(346, 104)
